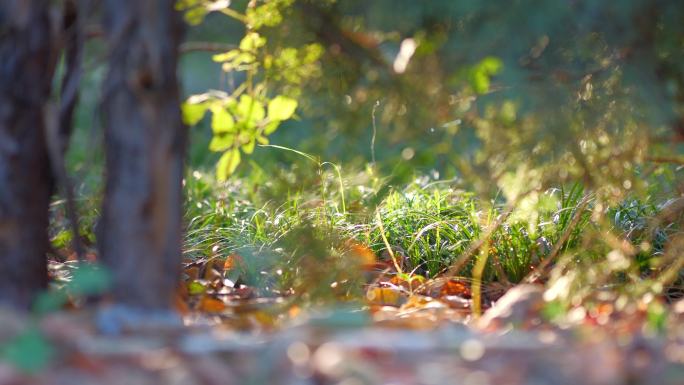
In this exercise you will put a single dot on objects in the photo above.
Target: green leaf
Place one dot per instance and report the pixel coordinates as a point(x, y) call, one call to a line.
point(89, 279)
point(62, 239)
point(50, 301)
point(195, 16)
point(227, 164)
point(271, 127)
point(221, 142)
point(29, 351)
point(248, 148)
point(226, 56)
point(195, 288)
point(281, 108)
point(491, 65)
point(656, 317)
point(480, 76)
point(480, 82)
point(553, 310)
point(250, 109)
point(221, 121)
point(193, 112)
point(252, 41)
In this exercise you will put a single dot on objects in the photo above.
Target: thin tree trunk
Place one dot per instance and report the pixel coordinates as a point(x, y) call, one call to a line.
point(140, 237)
point(26, 68)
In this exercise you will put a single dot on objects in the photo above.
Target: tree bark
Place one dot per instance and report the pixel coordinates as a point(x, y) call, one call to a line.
point(140, 238)
point(26, 68)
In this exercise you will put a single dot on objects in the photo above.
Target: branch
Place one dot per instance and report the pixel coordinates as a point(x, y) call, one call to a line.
point(201, 46)
point(666, 159)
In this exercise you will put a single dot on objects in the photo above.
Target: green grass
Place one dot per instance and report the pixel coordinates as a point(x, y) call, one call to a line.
point(293, 226)
point(303, 218)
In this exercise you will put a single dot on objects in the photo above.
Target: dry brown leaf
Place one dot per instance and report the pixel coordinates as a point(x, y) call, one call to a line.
point(415, 282)
point(387, 296)
point(192, 272)
point(233, 261)
point(455, 287)
point(211, 305)
point(363, 253)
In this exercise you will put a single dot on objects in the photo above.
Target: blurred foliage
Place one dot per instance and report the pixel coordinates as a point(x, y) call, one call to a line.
point(551, 132)
point(29, 351)
point(580, 90)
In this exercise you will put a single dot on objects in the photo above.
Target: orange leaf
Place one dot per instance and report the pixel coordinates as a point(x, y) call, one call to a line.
point(363, 253)
point(234, 261)
point(192, 272)
point(455, 287)
point(385, 296)
point(212, 305)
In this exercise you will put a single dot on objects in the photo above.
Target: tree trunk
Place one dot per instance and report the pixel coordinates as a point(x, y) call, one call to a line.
point(140, 239)
point(26, 68)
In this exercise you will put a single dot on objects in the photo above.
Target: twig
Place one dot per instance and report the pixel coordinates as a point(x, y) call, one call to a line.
point(666, 159)
point(95, 31)
point(199, 46)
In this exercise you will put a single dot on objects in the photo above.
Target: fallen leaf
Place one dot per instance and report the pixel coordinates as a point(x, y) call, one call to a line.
point(386, 296)
point(455, 287)
point(211, 305)
point(363, 253)
point(234, 261)
point(192, 272)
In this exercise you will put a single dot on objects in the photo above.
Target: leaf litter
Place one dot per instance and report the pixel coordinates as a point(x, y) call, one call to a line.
point(407, 330)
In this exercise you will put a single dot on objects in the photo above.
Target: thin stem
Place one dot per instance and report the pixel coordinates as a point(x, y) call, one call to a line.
point(375, 131)
point(384, 240)
point(234, 14)
point(477, 280)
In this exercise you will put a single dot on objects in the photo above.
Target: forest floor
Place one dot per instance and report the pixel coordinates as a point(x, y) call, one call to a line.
point(451, 353)
point(424, 336)
point(283, 287)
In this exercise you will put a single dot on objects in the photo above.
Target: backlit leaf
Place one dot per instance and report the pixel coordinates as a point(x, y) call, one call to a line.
point(262, 139)
point(193, 113)
point(221, 121)
point(226, 56)
point(250, 109)
point(281, 108)
point(221, 142)
point(248, 148)
point(271, 127)
point(227, 164)
point(195, 288)
point(252, 41)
